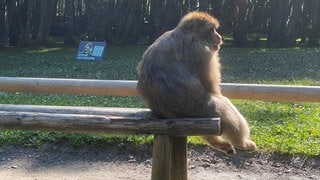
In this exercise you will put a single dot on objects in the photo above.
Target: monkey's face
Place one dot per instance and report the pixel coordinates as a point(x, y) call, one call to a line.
point(203, 27)
point(211, 38)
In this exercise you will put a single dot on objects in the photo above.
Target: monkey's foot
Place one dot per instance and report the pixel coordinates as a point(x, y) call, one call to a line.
point(229, 150)
point(217, 143)
point(249, 145)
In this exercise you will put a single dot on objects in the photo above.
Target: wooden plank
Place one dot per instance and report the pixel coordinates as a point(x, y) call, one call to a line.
point(271, 92)
point(178, 166)
point(53, 122)
point(169, 159)
point(69, 86)
point(128, 88)
point(161, 157)
point(107, 124)
point(104, 111)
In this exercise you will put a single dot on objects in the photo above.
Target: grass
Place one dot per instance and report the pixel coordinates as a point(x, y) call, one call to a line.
point(290, 128)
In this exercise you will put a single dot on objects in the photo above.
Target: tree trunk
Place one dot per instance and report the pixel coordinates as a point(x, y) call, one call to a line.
point(69, 11)
point(307, 9)
point(3, 27)
point(52, 4)
point(217, 8)
point(42, 22)
point(155, 19)
point(13, 22)
point(294, 25)
point(24, 40)
point(203, 5)
point(240, 23)
point(278, 25)
point(314, 32)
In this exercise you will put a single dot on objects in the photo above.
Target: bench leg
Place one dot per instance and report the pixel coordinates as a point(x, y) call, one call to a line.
point(169, 158)
point(178, 168)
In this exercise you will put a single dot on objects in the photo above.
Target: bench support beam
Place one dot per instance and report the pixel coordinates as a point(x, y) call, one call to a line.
point(101, 120)
point(169, 157)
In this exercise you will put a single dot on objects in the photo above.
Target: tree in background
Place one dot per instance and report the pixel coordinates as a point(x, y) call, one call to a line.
point(69, 16)
point(240, 23)
point(3, 24)
point(281, 22)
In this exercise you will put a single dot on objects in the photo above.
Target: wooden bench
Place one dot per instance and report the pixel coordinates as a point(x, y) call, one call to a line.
point(170, 135)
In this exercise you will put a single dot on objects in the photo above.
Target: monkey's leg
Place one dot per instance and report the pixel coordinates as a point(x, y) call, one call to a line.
point(217, 143)
point(234, 126)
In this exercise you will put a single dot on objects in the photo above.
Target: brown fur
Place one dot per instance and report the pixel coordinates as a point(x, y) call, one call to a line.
point(179, 76)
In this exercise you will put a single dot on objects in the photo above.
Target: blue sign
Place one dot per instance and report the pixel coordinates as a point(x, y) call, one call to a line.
point(91, 50)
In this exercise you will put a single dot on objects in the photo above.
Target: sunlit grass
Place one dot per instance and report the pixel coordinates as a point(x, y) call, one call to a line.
point(291, 128)
point(284, 127)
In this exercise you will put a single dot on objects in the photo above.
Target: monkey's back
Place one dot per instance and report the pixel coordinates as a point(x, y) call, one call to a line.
point(168, 84)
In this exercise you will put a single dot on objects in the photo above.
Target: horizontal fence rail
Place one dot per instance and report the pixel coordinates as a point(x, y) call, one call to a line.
point(101, 120)
point(128, 88)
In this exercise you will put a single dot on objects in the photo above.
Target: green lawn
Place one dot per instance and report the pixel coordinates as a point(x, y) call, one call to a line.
point(291, 128)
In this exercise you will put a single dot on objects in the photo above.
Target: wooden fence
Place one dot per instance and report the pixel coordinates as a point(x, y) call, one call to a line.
point(170, 135)
point(128, 88)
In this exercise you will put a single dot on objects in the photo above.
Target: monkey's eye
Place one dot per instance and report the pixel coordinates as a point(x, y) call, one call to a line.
point(212, 28)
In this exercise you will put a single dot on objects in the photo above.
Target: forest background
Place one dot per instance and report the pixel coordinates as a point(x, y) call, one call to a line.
point(276, 23)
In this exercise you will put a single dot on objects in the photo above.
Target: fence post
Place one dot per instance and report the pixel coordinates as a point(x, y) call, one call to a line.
point(178, 168)
point(169, 158)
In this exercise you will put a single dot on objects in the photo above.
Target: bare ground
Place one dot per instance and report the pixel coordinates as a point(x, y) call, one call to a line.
point(116, 162)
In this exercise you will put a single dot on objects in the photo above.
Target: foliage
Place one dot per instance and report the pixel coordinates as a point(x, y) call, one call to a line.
point(30, 22)
point(276, 126)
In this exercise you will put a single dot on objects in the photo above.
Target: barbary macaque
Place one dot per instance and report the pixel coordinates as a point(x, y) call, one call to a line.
point(179, 77)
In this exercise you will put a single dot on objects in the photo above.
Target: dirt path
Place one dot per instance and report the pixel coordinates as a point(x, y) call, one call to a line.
point(114, 162)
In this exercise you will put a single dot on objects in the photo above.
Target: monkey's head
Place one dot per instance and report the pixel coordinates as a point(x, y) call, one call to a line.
point(201, 26)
